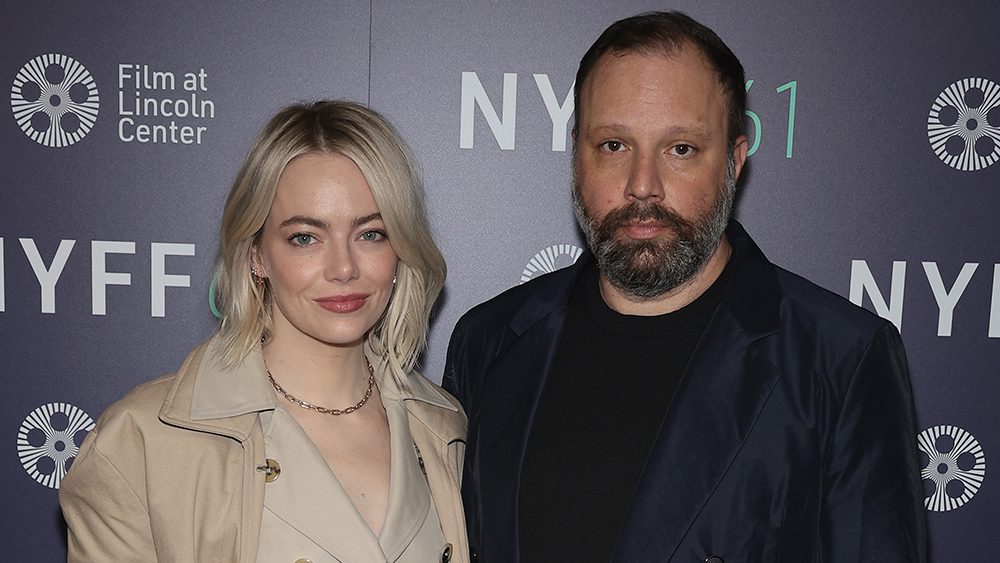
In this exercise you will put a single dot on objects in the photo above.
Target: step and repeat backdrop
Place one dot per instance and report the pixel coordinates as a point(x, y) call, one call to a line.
point(874, 139)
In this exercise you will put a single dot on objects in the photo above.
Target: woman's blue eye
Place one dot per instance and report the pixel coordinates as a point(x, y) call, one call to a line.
point(371, 236)
point(302, 240)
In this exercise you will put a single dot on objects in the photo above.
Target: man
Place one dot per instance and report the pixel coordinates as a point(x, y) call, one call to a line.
point(677, 397)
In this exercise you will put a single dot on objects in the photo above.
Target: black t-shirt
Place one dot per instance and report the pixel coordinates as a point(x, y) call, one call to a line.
point(611, 383)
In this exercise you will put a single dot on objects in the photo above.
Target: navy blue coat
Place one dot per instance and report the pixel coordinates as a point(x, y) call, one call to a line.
point(791, 437)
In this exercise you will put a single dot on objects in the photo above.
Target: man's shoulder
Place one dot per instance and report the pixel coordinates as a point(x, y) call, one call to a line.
point(547, 291)
point(813, 311)
point(124, 431)
point(806, 302)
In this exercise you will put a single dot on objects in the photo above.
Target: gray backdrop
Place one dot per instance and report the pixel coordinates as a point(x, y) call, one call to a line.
point(873, 174)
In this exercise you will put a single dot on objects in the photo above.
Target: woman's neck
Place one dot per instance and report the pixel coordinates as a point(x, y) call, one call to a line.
point(332, 376)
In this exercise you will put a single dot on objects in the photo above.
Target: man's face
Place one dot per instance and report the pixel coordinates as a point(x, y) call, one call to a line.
point(653, 174)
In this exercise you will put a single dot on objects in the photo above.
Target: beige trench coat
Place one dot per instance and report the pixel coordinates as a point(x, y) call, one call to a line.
point(168, 476)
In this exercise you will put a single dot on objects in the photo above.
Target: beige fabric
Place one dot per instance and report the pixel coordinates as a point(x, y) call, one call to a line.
point(308, 515)
point(170, 472)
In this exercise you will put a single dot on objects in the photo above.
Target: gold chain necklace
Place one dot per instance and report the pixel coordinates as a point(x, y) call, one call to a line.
point(323, 410)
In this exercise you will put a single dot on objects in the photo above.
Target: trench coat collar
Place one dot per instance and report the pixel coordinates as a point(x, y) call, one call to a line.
point(211, 398)
point(225, 400)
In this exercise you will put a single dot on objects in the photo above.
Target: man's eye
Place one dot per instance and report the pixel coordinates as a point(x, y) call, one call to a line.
point(613, 146)
point(683, 150)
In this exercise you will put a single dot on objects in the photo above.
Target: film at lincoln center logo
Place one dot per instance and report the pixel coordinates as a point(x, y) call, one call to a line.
point(964, 124)
point(49, 439)
point(54, 99)
point(551, 259)
point(953, 467)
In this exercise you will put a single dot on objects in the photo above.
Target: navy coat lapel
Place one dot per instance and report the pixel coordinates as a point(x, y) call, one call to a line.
point(513, 386)
point(716, 404)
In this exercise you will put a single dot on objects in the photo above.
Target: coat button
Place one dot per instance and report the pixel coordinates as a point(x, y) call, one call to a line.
point(446, 554)
point(271, 470)
point(304, 560)
point(714, 559)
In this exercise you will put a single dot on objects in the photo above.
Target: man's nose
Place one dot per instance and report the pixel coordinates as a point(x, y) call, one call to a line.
point(645, 182)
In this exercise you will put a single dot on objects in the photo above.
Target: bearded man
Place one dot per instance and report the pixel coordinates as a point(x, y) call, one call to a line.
point(674, 396)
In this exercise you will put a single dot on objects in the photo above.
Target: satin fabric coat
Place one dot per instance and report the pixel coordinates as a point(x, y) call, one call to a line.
point(791, 436)
point(173, 471)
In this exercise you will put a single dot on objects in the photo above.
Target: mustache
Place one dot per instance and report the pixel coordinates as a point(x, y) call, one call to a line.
point(637, 212)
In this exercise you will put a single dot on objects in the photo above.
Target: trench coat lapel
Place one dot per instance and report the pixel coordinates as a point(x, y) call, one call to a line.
point(439, 434)
point(308, 497)
point(438, 426)
point(716, 404)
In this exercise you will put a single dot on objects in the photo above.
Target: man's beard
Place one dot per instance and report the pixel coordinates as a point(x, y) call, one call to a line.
point(645, 269)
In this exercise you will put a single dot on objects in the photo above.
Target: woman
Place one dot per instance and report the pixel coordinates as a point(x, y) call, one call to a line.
point(299, 432)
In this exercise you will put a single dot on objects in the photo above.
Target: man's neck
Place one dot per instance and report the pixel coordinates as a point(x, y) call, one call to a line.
point(676, 298)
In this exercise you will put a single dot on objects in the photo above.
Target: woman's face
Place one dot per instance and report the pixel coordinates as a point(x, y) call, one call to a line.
point(325, 253)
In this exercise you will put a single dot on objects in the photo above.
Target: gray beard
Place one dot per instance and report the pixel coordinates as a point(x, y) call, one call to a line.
point(649, 269)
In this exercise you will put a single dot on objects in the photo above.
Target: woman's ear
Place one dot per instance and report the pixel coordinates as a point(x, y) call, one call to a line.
point(257, 269)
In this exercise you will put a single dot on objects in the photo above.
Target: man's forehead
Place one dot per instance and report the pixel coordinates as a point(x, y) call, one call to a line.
point(683, 52)
point(631, 73)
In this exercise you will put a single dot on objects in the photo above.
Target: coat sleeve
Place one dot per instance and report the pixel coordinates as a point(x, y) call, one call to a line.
point(106, 517)
point(459, 380)
point(872, 494)
point(454, 378)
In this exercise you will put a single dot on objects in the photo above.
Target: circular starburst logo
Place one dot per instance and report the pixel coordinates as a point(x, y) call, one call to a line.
point(551, 259)
point(49, 439)
point(953, 467)
point(54, 100)
point(964, 124)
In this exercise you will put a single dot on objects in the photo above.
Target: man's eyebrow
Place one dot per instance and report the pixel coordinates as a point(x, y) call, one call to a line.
point(607, 129)
point(699, 131)
point(367, 219)
point(304, 220)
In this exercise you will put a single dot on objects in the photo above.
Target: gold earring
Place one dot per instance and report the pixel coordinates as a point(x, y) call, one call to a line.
point(256, 275)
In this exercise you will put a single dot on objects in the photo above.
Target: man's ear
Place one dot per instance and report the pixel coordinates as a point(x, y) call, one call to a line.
point(740, 148)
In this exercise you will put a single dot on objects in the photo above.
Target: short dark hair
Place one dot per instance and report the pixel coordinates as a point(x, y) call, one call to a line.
point(665, 33)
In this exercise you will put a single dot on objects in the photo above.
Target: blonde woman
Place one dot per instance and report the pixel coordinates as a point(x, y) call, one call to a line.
point(299, 432)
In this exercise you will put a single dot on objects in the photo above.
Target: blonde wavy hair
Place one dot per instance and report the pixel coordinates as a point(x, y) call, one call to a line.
point(362, 135)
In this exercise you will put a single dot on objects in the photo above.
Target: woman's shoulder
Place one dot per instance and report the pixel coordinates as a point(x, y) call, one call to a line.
point(140, 407)
point(435, 407)
point(141, 402)
point(423, 389)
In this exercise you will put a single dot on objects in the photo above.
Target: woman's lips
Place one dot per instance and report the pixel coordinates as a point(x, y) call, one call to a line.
point(342, 303)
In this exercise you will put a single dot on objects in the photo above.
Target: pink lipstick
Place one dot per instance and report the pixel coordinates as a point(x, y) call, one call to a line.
point(342, 303)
